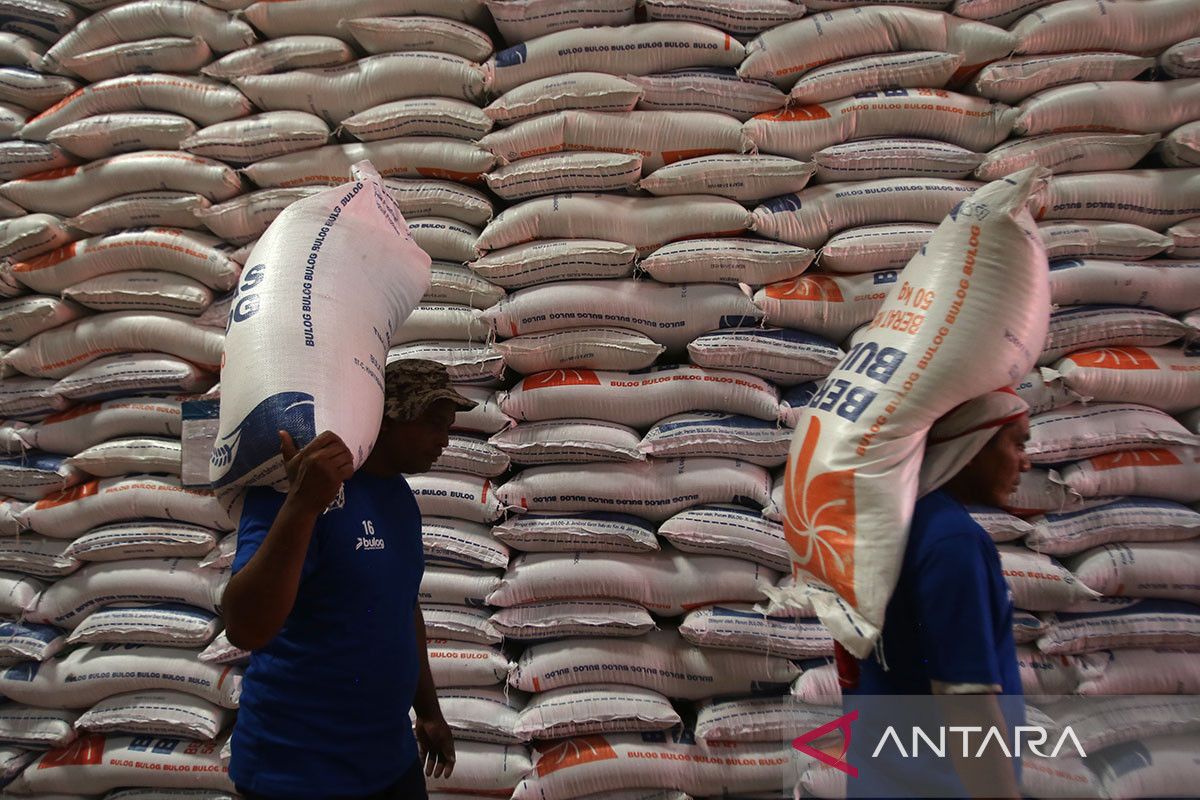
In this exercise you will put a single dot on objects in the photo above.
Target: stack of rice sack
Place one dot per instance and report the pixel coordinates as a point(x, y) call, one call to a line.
point(612, 452)
point(112, 569)
point(111, 596)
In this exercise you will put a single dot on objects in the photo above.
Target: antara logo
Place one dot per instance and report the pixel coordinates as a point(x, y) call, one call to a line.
point(938, 741)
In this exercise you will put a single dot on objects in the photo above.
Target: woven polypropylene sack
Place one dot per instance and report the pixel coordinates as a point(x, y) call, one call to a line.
point(317, 379)
point(869, 420)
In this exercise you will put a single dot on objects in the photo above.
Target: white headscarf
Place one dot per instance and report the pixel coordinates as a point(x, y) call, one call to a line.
point(958, 437)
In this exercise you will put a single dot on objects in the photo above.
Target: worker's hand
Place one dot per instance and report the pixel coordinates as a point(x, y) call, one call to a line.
point(316, 473)
point(436, 746)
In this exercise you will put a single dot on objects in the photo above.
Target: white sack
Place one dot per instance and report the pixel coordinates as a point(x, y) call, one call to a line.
point(359, 231)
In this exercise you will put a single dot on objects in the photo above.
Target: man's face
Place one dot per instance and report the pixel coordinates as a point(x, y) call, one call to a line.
point(413, 446)
point(998, 467)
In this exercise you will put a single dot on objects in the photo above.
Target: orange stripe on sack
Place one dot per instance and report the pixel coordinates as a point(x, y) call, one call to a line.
point(47, 260)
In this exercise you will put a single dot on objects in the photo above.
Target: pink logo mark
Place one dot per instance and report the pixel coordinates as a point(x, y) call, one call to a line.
point(842, 724)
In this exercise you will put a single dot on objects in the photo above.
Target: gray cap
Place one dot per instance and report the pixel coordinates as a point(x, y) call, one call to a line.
point(412, 385)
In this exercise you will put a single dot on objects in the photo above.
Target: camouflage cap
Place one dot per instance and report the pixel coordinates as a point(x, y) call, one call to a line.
point(412, 385)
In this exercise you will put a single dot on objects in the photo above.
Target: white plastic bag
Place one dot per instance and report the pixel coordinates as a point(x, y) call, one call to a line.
point(1181, 60)
point(600, 708)
point(873, 247)
point(522, 20)
point(785, 357)
point(163, 713)
point(147, 19)
point(404, 157)
point(661, 661)
point(599, 531)
point(87, 675)
point(1181, 147)
point(167, 580)
point(1169, 473)
point(142, 290)
point(558, 618)
point(32, 235)
point(100, 763)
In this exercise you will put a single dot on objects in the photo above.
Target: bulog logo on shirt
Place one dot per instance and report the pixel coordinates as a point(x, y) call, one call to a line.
point(370, 541)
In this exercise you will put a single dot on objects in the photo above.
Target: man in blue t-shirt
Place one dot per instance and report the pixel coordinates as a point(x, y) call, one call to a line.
point(324, 592)
point(947, 631)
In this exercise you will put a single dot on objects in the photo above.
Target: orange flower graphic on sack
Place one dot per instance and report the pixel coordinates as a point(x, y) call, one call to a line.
point(819, 518)
point(561, 377)
point(817, 288)
point(1154, 457)
point(572, 753)
point(1115, 358)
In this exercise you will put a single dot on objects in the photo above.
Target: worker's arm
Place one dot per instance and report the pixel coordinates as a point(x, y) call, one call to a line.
point(991, 774)
point(958, 613)
point(261, 594)
point(434, 738)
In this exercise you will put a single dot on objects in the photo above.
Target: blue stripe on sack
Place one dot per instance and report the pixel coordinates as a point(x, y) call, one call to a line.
point(512, 57)
point(799, 395)
point(1134, 503)
point(256, 438)
point(29, 630)
point(1135, 606)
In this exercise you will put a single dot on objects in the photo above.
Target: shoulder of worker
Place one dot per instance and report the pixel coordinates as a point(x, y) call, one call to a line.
point(940, 520)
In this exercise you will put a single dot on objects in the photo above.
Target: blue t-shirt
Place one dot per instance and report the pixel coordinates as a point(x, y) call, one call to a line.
point(324, 706)
point(950, 619)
